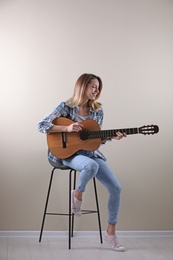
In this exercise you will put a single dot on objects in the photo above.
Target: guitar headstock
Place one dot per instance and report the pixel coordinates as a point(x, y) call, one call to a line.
point(149, 129)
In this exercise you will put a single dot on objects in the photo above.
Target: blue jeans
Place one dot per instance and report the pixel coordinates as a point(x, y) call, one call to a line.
point(90, 167)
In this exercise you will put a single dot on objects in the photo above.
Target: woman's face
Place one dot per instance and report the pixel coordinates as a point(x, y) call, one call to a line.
point(92, 90)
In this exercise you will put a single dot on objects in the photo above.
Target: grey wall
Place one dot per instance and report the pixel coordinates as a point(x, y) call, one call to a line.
point(44, 47)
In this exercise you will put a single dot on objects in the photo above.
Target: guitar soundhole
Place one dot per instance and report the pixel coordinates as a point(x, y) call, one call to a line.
point(84, 135)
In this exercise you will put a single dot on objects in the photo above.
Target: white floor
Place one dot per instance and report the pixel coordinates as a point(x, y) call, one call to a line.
point(89, 248)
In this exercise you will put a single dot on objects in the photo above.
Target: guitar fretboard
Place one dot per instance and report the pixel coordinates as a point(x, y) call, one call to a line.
point(107, 133)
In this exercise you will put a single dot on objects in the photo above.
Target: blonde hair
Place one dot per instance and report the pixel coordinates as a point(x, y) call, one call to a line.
point(79, 90)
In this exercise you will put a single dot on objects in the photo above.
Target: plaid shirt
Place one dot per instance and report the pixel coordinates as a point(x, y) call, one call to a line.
point(72, 113)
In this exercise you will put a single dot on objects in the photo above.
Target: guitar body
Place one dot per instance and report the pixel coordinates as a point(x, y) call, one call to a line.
point(63, 145)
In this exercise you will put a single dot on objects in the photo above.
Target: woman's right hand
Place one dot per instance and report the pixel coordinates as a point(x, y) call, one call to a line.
point(75, 127)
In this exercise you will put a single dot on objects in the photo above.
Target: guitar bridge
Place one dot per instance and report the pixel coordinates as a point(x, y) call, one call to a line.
point(64, 140)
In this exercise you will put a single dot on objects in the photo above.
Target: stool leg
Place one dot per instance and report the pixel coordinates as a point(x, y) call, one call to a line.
point(74, 187)
point(71, 216)
point(98, 211)
point(45, 209)
point(69, 230)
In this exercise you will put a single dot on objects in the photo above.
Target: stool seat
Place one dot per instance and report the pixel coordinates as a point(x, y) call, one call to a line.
point(60, 166)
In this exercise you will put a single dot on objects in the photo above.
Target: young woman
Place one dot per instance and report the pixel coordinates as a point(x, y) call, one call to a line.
point(81, 106)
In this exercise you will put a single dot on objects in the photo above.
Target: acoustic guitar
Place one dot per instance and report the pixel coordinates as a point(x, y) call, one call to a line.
point(64, 144)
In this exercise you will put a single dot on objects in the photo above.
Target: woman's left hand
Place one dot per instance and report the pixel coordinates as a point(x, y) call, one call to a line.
point(119, 135)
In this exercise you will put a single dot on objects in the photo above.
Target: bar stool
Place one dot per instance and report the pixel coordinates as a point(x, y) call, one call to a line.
point(70, 215)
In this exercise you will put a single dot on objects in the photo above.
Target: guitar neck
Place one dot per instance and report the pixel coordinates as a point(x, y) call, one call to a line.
point(108, 133)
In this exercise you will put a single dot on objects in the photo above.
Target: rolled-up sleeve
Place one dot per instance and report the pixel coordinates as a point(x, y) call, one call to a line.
point(46, 123)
